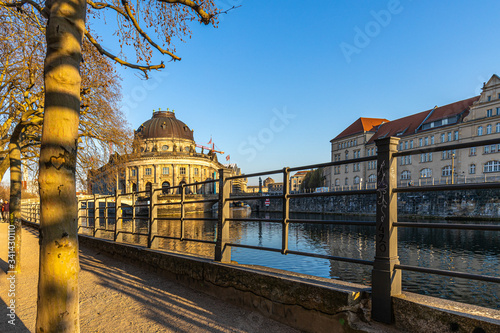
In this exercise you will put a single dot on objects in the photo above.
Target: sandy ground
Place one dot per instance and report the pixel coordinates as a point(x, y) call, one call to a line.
point(120, 297)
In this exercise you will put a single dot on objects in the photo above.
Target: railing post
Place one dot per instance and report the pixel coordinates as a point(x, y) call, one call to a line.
point(286, 211)
point(223, 252)
point(118, 236)
point(153, 241)
point(183, 211)
point(386, 280)
point(96, 215)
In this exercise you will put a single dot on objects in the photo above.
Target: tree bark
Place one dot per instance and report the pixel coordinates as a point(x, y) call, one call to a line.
point(57, 308)
point(15, 195)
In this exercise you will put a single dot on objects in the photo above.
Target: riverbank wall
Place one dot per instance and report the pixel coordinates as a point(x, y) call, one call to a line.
point(475, 204)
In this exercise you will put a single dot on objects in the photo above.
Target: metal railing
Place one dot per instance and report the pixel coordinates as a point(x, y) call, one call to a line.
point(386, 267)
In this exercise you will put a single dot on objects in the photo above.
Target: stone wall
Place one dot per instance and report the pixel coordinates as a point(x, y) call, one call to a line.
point(484, 203)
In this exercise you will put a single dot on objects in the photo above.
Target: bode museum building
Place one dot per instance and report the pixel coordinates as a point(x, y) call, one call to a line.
point(164, 155)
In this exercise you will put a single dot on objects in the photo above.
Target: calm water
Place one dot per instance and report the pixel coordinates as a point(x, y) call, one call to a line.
point(476, 252)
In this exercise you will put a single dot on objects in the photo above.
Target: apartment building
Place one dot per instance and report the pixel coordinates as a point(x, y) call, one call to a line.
point(472, 119)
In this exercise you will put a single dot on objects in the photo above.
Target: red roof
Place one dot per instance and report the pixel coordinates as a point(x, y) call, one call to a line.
point(360, 126)
point(452, 109)
point(410, 124)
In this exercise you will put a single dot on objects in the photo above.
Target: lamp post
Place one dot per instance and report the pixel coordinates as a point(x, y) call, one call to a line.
point(452, 168)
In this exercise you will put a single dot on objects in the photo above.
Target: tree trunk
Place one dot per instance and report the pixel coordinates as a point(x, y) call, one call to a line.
point(15, 198)
point(57, 309)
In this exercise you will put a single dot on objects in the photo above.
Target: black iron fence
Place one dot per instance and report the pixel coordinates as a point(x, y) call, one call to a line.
point(104, 216)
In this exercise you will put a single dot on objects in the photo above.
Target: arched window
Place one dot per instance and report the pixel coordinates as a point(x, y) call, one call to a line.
point(337, 182)
point(492, 166)
point(406, 174)
point(446, 171)
point(134, 187)
point(480, 130)
point(148, 186)
point(472, 169)
point(488, 129)
point(356, 180)
point(165, 187)
point(179, 190)
point(372, 178)
point(426, 173)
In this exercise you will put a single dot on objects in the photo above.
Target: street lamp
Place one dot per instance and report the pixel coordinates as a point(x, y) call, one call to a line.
point(452, 168)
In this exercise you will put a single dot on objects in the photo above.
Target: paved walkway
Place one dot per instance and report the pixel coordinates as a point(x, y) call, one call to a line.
point(120, 297)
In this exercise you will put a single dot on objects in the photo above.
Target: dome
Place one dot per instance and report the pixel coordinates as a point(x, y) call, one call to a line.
point(163, 124)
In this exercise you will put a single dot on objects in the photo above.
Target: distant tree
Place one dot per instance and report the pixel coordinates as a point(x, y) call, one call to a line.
point(312, 180)
point(57, 309)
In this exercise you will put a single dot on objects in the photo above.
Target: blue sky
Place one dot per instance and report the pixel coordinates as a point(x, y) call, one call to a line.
point(278, 79)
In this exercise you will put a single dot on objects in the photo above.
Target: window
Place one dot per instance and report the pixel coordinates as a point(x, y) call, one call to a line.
point(498, 109)
point(347, 155)
point(134, 172)
point(347, 181)
point(411, 144)
point(480, 131)
point(447, 154)
point(443, 137)
point(372, 178)
point(196, 171)
point(147, 171)
point(356, 180)
point(427, 157)
point(472, 169)
point(164, 147)
point(446, 171)
point(489, 98)
point(492, 166)
point(432, 140)
point(490, 149)
point(449, 136)
point(406, 175)
point(356, 167)
point(164, 187)
point(401, 145)
point(165, 170)
point(455, 135)
point(489, 113)
point(405, 160)
point(472, 151)
point(182, 170)
point(148, 186)
point(426, 173)
point(337, 182)
point(406, 144)
point(420, 142)
point(497, 127)
point(486, 149)
point(346, 168)
point(488, 129)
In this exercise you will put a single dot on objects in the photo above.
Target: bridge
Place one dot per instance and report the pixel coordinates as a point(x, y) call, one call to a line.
point(304, 302)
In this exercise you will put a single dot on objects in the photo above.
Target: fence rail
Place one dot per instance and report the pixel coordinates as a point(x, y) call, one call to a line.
point(386, 267)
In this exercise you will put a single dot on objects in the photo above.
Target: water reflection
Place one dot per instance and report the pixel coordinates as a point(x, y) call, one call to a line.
point(476, 252)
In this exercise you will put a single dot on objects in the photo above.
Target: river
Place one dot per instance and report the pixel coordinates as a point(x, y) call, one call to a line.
point(475, 252)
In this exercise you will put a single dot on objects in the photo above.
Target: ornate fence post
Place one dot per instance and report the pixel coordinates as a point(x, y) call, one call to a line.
point(286, 210)
point(223, 252)
point(153, 220)
point(118, 237)
point(97, 222)
point(386, 281)
point(182, 189)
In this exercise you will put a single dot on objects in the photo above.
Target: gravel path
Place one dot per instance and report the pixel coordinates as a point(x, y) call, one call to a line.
point(120, 297)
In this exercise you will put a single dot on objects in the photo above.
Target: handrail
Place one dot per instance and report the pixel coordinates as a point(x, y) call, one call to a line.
point(386, 268)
